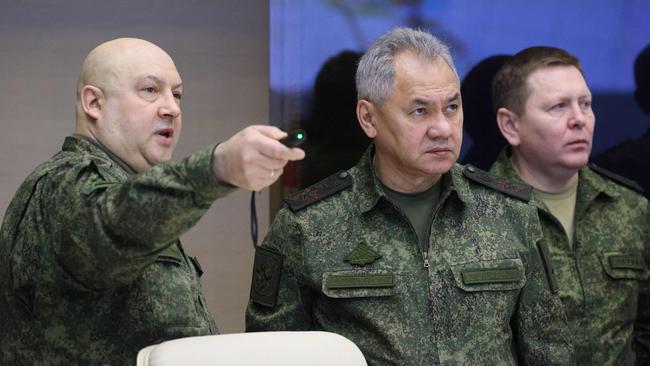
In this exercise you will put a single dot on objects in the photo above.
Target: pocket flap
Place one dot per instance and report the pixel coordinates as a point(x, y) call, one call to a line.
point(490, 275)
point(171, 254)
point(620, 265)
point(350, 284)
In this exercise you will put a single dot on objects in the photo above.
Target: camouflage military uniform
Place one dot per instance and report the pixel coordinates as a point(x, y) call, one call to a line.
point(91, 268)
point(352, 264)
point(599, 278)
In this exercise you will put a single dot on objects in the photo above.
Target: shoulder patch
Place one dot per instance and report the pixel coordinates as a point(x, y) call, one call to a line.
point(267, 269)
point(510, 187)
point(629, 183)
point(323, 189)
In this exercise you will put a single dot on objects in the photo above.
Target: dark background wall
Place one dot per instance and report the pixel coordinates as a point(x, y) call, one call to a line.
point(605, 35)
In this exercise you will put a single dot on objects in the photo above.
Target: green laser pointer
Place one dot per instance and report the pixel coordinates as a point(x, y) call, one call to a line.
point(295, 138)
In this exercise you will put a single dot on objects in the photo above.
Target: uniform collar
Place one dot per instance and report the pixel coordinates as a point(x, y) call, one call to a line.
point(590, 184)
point(369, 189)
point(84, 144)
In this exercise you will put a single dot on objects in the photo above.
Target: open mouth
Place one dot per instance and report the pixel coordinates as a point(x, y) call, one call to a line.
point(166, 134)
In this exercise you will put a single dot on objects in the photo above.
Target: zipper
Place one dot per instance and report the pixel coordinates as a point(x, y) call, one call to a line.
point(425, 252)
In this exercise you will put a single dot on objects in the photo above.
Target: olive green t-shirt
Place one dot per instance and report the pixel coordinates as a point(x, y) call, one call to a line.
point(418, 207)
point(562, 205)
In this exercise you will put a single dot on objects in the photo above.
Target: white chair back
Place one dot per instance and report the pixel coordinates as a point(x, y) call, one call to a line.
point(255, 349)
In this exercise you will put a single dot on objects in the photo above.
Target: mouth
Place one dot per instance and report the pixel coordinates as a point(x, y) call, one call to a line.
point(165, 135)
point(439, 151)
point(576, 143)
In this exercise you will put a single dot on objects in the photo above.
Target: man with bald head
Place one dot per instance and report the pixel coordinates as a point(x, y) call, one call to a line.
point(91, 268)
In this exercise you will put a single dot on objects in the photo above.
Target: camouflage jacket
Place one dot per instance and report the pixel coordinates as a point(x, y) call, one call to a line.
point(91, 268)
point(599, 278)
point(351, 263)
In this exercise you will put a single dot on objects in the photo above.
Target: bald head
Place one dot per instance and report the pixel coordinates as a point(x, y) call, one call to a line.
point(111, 62)
point(128, 99)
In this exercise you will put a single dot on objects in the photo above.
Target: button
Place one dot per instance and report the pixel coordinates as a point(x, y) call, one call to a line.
point(343, 175)
point(471, 168)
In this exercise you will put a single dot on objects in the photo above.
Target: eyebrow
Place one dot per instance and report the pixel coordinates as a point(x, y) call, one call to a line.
point(422, 101)
point(454, 97)
point(157, 80)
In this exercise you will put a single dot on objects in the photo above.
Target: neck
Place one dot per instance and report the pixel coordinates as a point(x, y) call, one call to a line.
point(547, 180)
point(401, 181)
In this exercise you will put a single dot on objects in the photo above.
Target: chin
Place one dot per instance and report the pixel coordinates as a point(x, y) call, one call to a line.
point(577, 163)
point(440, 168)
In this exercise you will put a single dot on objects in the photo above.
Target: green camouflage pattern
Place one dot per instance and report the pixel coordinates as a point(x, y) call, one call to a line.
point(400, 312)
point(91, 266)
point(600, 278)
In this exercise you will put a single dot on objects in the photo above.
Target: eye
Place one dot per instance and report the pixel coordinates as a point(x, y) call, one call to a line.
point(452, 107)
point(586, 104)
point(148, 93)
point(419, 111)
point(558, 107)
point(178, 95)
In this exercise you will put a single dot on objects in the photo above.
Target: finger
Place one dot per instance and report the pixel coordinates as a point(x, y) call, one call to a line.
point(295, 153)
point(275, 173)
point(270, 131)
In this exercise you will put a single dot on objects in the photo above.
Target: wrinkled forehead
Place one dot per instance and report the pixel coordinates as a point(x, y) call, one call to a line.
point(124, 61)
point(133, 65)
point(414, 72)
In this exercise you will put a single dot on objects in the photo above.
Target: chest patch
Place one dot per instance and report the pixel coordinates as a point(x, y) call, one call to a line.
point(362, 255)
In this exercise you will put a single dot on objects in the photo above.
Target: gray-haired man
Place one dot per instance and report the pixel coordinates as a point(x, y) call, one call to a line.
point(415, 259)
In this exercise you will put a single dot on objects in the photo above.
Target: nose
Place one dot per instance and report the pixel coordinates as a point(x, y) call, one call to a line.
point(440, 127)
point(578, 117)
point(170, 106)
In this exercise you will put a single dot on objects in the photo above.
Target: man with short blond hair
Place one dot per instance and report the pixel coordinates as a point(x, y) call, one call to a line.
point(595, 222)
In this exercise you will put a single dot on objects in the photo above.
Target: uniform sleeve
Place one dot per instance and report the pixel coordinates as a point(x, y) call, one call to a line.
point(541, 330)
point(108, 230)
point(642, 323)
point(288, 304)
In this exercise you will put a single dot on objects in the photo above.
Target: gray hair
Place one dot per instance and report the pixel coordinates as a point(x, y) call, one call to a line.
point(376, 72)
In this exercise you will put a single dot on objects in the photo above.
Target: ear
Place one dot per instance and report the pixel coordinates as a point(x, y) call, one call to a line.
point(92, 99)
point(508, 122)
point(366, 115)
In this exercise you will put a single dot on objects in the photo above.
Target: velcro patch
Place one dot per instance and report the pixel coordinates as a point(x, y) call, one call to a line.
point(360, 281)
point(479, 276)
point(362, 255)
point(627, 262)
point(266, 276)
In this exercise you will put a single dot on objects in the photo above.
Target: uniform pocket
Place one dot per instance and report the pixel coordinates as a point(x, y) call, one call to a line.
point(490, 275)
point(621, 266)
